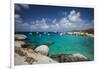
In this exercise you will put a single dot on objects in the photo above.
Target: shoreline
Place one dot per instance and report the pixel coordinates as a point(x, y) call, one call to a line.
point(25, 56)
point(64, 33)
point(28, 55)
point(81, 34)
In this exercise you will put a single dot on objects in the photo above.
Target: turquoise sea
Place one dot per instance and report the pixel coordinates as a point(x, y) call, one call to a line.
point(64, 44)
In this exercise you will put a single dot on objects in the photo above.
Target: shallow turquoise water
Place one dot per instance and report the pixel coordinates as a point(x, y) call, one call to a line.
point(65, 44)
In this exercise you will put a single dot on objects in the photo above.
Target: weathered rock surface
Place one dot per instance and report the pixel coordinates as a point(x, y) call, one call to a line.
point(19, 43)
point(19, 60)
point(43, 49)
point(29, 56)
point(20, 37)
point(70, 57)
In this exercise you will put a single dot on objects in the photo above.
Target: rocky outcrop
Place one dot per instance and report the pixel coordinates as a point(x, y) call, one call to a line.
point(19, 43)
point(29, 56)
point(70, 57)
point(19, 60)
point(20, 51)
point(43, 49)
point(20, 37)
point(19, 40)
point(29, 60)
point(29, 45)
point(82, 57)
point(25, 54)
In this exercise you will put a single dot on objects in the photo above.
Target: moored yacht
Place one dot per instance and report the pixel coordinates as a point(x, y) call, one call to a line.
point(30, 33)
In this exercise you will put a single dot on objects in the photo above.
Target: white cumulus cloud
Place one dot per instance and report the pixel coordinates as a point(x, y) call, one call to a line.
point(72, 21)
point(18, 18)
point(74, 16)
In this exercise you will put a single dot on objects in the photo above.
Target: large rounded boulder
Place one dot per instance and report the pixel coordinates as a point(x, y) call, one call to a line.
point(43, 49)
point(20, 37)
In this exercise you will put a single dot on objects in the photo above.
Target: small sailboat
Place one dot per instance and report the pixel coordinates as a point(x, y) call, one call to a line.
point(61, 34)
point(37, 32)
point(45, 32)
point(48, 34)
point(30, 33)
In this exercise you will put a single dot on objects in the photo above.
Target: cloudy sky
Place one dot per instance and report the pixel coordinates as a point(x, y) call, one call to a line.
point(31, 18)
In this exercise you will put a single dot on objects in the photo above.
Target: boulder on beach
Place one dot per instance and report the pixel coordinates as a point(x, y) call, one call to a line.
point(43, 49)
point(20, 37)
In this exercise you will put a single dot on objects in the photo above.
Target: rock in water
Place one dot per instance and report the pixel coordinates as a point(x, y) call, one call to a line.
point(43, 49)
point(20, 36)
point(70, 57)
point(48, 43)
point(80, 57)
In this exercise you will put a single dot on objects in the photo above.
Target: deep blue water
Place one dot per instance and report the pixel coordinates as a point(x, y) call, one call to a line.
point(65, 44)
